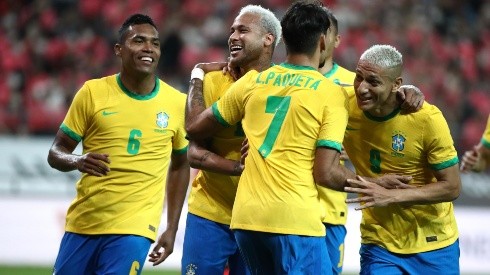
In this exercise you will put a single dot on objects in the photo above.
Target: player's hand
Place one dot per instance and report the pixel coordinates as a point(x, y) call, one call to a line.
point(471, 161)
point(163, 248)
point(93, 164)
point(411, 98)
point(211, 66)
point(371, 194)
point(394, 181)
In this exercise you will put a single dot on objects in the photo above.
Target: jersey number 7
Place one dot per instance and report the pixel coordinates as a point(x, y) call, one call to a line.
point(277, 105)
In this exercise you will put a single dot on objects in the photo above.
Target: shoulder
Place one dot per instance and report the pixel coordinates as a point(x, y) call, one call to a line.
point(107, 80)
point(346, 72)
point(218, 76)
point(166, 88)
point(428, 112)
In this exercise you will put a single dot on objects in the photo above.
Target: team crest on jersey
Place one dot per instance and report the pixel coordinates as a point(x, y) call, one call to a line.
point(190, 269)
point(398, 142)
point(162, 120)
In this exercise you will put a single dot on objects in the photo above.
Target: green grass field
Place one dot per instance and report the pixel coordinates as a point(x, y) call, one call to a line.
point(35, 270)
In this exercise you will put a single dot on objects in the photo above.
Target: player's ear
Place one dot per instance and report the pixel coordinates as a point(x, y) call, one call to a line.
point(269, 39)
point(117, 49)
point(337, 40)
point(323, 42)
point(397, 83)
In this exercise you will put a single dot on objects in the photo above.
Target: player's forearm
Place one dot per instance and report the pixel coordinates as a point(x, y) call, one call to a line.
point(176, 190)
point(336, 178)
point(209, 161)
point(340, 176)
point(62, 160)
point(195, 101)
point(327, 170)
point(436, 192)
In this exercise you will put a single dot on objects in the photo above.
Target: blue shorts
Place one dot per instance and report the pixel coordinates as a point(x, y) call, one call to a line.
point(335, 245)
point(377, 260)
point(208, 247)
point(270, 253)
point(101, 254)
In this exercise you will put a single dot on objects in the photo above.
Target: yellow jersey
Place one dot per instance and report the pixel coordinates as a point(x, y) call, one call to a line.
point(212, 194)
point(286, 112)
point(414, 145)
point(332, 201)
point(139, 133)
point(486, 135)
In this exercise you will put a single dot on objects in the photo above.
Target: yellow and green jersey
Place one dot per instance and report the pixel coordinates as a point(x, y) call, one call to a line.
point(212, 194)
point(486, 135)
point(332, 201)
point(139, 133)
point(286, 111)
point(415, 145)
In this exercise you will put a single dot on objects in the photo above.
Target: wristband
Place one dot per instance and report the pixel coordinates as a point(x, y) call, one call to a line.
point(197, 73)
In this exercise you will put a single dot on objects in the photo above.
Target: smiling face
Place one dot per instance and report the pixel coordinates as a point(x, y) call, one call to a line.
point(376, 88)
point(140, 50)
point(247, 39)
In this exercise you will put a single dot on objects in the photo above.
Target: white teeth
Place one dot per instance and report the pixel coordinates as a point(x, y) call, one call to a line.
point(235, 48)
point(147, 59)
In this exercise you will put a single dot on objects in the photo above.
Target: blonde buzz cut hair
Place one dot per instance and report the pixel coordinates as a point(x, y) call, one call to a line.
point(267, 19)
point(384, 56)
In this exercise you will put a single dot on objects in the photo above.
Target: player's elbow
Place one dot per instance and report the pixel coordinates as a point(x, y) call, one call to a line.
point(50, 159)
point(192, 130)
point(454, 192)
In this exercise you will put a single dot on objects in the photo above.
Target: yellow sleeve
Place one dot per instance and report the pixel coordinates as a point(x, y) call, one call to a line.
point(79, 114)
point(485, 140)
point(334, 121)
point(438, 141)
point(209, 86)
point(179, 142)
point(230, 109)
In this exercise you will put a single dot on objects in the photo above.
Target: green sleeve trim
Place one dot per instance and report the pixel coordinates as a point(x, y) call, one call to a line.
point(70, 133)
point(485, 143)
point(218, 116)
point(445, 164)
point(329, 144)
point(180, 151)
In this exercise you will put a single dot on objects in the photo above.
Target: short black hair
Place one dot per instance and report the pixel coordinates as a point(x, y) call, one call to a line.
point(302, 25)
point(135, 19)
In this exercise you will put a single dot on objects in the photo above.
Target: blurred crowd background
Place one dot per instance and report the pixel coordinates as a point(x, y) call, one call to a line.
point(48, 48)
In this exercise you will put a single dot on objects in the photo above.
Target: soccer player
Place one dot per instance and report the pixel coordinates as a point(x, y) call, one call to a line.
point(287, 113)
point(409, 230)
point(131, 126)
point(253, 36)
point(333, 202)
point(478, 158)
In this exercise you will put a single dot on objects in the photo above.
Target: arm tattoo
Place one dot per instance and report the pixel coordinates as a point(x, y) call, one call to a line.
point(237, 168)
point(197, 100)
point(204, 157)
